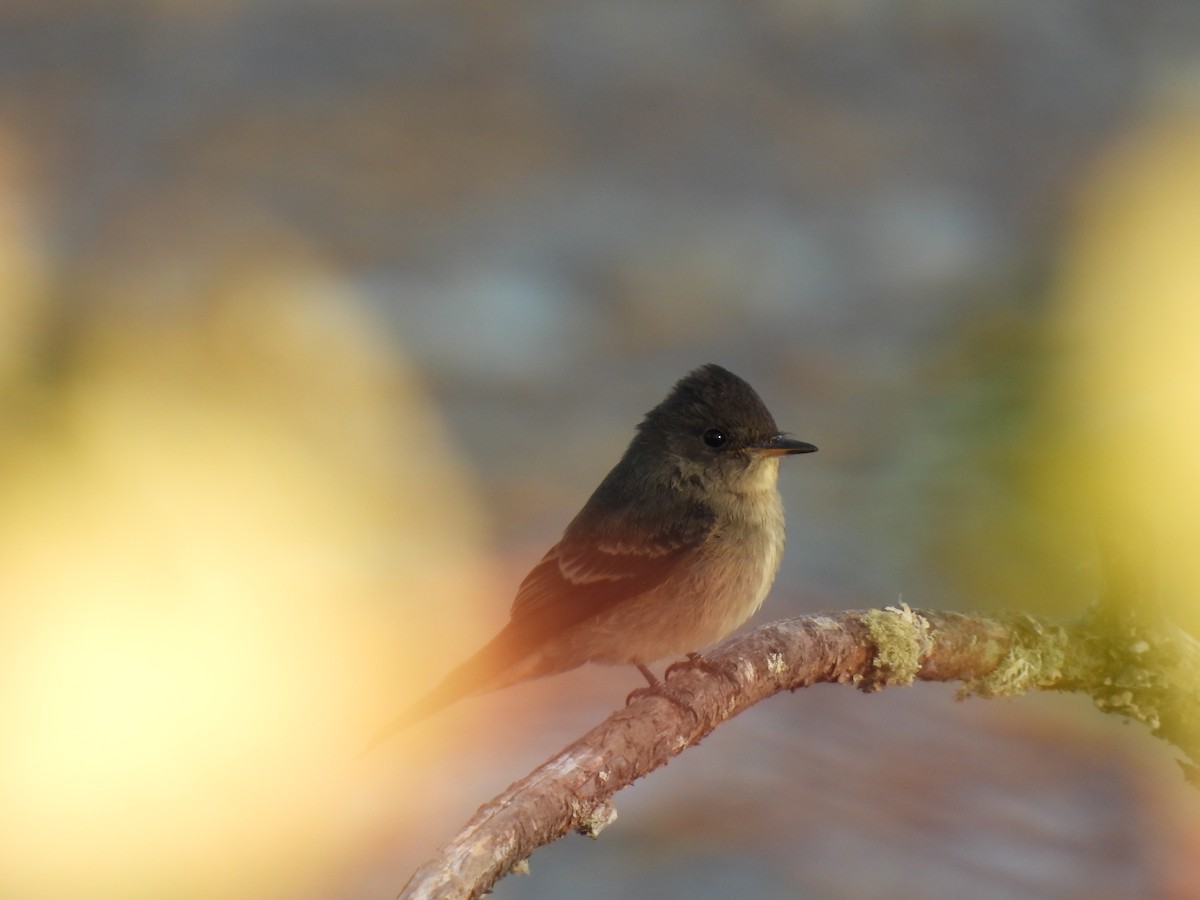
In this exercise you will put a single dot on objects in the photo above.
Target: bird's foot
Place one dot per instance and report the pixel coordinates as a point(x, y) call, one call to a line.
point(656, 688)
point(696, 661)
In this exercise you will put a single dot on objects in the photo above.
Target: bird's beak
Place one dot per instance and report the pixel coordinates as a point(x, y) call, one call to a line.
point(782, 445)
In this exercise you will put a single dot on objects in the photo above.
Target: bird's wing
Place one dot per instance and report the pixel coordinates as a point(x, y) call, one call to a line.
point(595, 567)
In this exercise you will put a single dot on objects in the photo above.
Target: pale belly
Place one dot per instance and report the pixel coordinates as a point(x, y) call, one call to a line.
point(725, 583)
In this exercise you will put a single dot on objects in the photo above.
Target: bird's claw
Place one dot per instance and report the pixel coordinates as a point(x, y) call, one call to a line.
point(696, 661)
point(693, 661)
point(661, 689)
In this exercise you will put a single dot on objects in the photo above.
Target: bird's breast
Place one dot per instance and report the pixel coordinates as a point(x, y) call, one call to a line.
point(716, 590)
point(751, 549)
point(712, 591)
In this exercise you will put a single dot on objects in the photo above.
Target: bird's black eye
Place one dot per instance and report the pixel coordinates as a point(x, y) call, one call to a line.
point(715, 438)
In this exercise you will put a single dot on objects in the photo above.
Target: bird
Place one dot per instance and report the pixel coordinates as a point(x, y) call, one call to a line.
point(676, 548)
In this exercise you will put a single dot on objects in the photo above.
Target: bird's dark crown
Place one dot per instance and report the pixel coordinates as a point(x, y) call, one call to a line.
point(712, 398)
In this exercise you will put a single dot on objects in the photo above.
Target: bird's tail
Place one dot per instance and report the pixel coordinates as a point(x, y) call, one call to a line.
point(443, 695)
point(501, 662)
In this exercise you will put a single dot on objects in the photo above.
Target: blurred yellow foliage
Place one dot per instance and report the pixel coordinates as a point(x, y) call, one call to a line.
point(215, 522)
point(1129, 325)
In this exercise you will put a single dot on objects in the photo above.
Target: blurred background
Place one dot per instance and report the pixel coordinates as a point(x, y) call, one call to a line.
point(319, 321)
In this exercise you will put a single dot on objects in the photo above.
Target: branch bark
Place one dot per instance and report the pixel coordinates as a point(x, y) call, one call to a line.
point(1146, 670)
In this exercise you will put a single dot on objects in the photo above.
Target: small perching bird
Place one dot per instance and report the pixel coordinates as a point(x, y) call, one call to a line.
point(675, 549)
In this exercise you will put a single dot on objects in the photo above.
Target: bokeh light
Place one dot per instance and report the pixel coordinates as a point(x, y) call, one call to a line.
point(218, 540)
point(1128, 325)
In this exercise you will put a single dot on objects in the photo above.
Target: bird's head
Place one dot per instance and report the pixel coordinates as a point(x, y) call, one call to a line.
point(716, 425)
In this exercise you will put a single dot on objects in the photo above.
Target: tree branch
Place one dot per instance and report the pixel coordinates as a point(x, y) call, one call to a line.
point(1147, 670)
